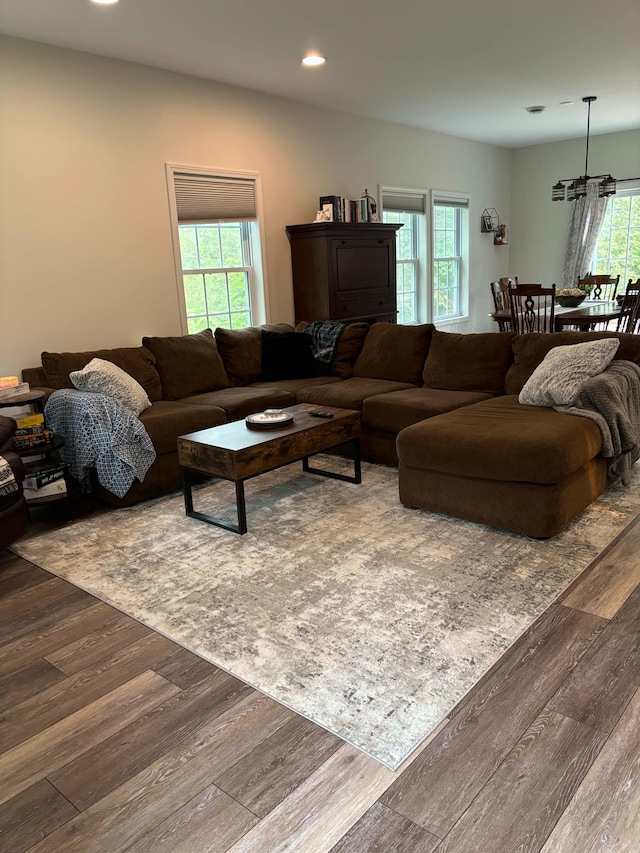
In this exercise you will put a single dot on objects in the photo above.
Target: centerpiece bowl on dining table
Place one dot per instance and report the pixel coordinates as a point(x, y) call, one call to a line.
point(570, 301)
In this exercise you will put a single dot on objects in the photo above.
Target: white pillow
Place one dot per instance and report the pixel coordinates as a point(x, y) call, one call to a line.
point(557, 380)
point(103, 377)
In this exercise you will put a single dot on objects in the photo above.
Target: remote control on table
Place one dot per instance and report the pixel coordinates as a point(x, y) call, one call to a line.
point(320, 413)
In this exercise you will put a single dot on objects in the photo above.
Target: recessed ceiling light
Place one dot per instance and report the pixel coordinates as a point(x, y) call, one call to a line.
point(314, 59)
point(536, 110)
point(104, 2)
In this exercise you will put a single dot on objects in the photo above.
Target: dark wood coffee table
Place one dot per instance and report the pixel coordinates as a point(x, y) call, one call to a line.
point(236, 453)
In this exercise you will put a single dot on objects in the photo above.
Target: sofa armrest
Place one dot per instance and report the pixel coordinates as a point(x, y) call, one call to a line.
point(7, 429)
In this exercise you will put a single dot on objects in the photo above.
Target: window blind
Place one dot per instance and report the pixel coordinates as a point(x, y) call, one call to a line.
point(403, 202)
point(210, 198)
point(451, 202)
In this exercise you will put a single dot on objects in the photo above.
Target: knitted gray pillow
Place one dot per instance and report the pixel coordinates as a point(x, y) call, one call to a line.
point(103, 377)
point(563, 371)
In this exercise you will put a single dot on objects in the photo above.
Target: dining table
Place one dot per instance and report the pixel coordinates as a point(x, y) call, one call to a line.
point(584, 316)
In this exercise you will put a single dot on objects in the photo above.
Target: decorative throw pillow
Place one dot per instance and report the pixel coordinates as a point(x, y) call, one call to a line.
point(468, 362)
point(394, 352)
point(188, 364)
point(103, 377)
point(563, 371)
point(241, 351)
point(138, 362)
point(286, 355)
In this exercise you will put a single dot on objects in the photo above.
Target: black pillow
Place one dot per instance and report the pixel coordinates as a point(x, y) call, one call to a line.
point(286, 355)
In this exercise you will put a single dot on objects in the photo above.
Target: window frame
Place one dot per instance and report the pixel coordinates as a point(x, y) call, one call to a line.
point(462, 201)
point(633, 191)
point(258, 284)
point(421, 245)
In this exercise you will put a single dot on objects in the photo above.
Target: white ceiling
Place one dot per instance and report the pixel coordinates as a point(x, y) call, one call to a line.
point(463, 67)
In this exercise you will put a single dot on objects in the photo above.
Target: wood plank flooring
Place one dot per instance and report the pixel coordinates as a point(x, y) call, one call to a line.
point(113, 738)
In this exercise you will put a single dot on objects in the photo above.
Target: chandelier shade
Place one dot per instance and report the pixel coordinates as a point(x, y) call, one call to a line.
point(572, 189)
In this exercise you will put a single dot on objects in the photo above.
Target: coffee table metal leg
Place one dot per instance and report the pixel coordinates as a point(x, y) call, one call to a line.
point(357, 468)
point(240, 527)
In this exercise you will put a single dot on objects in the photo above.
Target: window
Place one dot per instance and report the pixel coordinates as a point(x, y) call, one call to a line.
point(450, 251)
point(218, 249)
point(618, 247)
point(216, 271)
point(407, 265)
point(407, 207)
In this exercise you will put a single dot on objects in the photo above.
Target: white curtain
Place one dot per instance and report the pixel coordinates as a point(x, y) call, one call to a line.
point(586, 221)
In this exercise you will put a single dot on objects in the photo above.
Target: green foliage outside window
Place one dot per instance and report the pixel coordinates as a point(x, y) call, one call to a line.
point(406, 264)
point(618, 248)
point(446, 262)
point(216, 267)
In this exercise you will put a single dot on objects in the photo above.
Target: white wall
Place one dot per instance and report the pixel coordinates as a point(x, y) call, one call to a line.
point(85, 244)
point(539, 225)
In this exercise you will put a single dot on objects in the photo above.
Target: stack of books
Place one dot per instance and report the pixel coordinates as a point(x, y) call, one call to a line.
point(339, 209)
point(31, 432)
point(44, 478)
point(11, 386)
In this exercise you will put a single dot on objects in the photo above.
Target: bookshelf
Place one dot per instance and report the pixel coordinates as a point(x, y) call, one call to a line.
point(35, 401)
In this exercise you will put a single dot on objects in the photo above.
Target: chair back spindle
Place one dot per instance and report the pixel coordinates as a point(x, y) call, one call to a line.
point(500, 295)
point(629, 320)
point(532, 308)
point(602, 286)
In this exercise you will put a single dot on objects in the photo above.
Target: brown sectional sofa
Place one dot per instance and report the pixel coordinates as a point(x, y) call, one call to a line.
point(441, 406)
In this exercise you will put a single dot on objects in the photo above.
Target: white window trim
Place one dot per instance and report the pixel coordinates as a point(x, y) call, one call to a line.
point(435, 197)
point(423, 301)
point(258, 281)
point(627, 191)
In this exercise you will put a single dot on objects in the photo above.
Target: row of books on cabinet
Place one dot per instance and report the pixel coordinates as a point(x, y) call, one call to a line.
point(335, 208)
point(44, 478)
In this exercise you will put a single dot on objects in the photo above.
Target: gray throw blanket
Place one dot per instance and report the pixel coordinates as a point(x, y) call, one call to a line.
point(325, 335)
point(612, 400)
point(100, 433)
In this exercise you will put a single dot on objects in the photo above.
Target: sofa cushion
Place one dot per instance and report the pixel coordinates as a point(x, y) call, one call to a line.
point(241, 351)
point(350, 345)
point(500, 439)
point(557, 380)
point(286, 355)
point(350, 393)
point(138, 362)
point(188, 364)
point(399, 409)
point(165, 420)
point(104, 377)
point(393, 352)
point(240, 402)
point(470, 362)
point(530, 349)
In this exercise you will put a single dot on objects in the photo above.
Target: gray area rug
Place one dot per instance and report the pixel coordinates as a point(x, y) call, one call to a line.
point(369, 618)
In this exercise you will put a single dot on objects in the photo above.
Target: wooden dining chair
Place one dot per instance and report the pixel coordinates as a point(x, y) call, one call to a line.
point(532, 308)
point(602, 286)
point(500, 294)
point(629, 320)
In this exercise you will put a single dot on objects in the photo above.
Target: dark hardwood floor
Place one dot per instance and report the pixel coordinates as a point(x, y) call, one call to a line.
point(113, 738)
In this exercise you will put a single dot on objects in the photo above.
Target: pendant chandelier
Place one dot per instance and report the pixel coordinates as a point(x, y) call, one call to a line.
point(570, 189)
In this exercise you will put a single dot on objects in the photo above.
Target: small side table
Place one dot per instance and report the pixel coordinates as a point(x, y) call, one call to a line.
point(31, 398)
point(36, 400)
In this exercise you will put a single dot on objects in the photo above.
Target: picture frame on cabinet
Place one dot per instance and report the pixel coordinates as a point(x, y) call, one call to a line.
point(335, 203)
